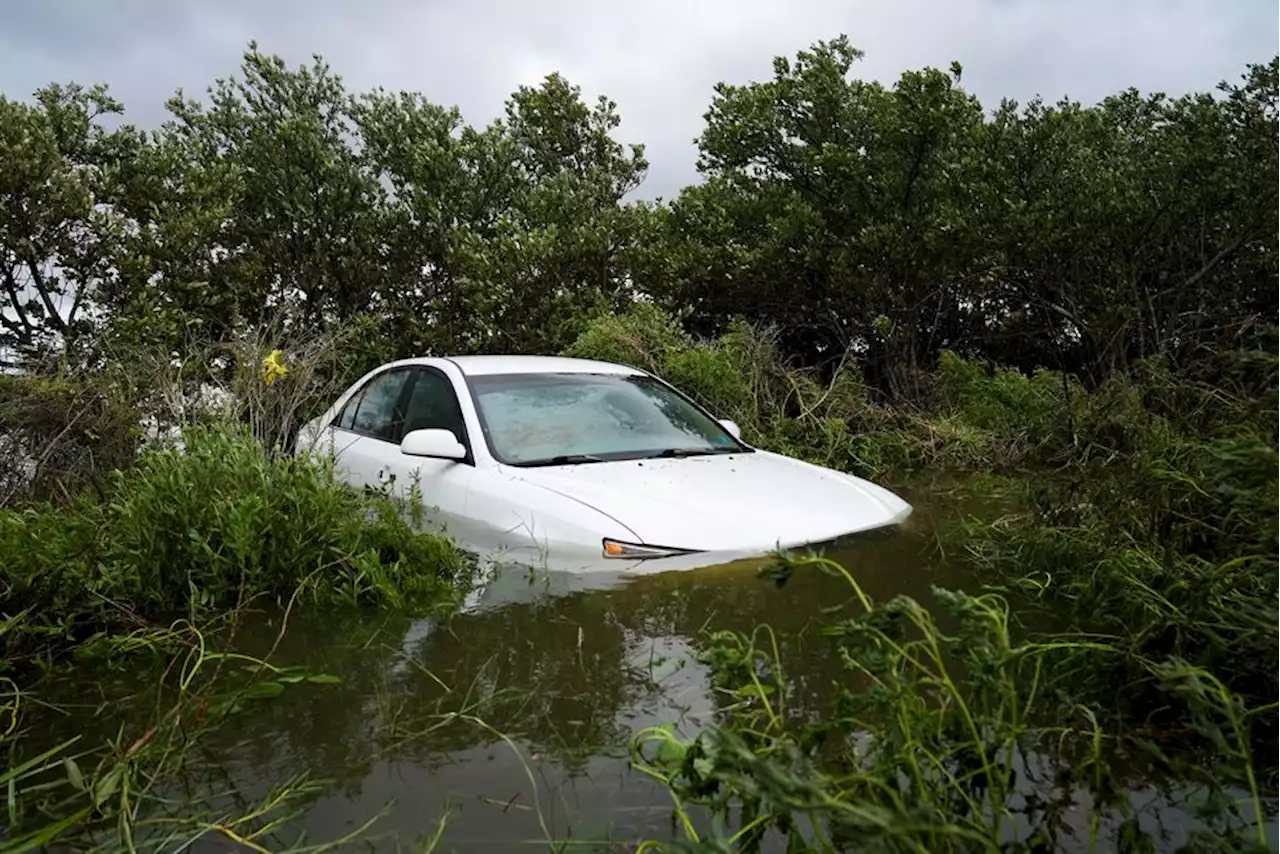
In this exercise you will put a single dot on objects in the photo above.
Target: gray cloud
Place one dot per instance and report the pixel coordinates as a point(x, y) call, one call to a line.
point(658, 60)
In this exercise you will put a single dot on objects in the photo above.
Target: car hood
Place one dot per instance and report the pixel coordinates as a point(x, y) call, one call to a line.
point(733, 502)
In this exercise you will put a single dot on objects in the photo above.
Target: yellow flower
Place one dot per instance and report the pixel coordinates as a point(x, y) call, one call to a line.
point(273, 367)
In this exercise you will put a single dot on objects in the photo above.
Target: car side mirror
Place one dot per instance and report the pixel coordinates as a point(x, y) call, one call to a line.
point(734, 430)
point(441, 444)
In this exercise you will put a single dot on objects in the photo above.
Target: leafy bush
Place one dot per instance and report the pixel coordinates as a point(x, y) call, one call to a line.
point(211, 527)
point(68, 430)
point(268, 378)
point(1175, 554)
point(1025, 410)
point(274, 381)
point(645, 337)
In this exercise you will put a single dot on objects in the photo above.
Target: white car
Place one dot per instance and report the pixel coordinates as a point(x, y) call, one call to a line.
point(579, 465)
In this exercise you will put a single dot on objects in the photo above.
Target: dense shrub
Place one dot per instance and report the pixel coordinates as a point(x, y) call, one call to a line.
point(60, 434)
point(274, 381)
point(1152, 518)
point(644, 338)
point(67, 430)
point(1159, 529)
point(210, 527)
point(1026, 411)
point(268, 378)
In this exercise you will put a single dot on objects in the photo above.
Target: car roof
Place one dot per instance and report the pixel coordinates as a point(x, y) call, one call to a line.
point(475, 366)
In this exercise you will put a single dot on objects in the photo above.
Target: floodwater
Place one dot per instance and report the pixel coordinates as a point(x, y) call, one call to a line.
point(510, 723)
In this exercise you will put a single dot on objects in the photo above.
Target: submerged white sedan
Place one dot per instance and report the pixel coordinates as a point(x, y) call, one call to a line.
point(579, 465)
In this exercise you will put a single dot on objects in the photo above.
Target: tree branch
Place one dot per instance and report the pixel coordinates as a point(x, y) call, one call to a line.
point(36, 276)
point(1215, 260)
point(12, 326)
point(11, 287)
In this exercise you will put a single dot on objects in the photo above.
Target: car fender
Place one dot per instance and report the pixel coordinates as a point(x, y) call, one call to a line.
point(529, 520)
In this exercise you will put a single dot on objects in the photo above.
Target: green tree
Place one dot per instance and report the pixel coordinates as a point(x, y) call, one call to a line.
point(558, 257)
point(889, 223)
point(267, 210)
point(505, 237)
point(1142, 226)
point(864, 221)
point(447, 181)
point(61, 220)
point(837, 209)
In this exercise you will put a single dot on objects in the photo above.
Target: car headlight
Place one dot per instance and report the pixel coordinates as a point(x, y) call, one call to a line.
point(636, 551)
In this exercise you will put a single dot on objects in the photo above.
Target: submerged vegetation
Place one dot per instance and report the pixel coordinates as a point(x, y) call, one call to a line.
point(147, 788)
point(160, 565)
point(1146, 543)
point(955, 738)
point(1073, 304)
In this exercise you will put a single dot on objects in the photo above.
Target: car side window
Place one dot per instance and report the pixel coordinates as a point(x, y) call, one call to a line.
point(375, 411)
point(433, 405)
point(348, 414)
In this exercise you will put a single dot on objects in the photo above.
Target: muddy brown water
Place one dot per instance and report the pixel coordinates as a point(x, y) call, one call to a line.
point(550, 688)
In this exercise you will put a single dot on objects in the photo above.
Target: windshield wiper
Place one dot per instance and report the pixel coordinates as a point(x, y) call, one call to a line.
point(564, 460)
point(692, 452)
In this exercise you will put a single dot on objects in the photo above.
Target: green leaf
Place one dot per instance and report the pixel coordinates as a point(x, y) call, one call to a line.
point(108, 784)
point(73, 774)
point(671, 751)
point(263, 691)
point(18, 771)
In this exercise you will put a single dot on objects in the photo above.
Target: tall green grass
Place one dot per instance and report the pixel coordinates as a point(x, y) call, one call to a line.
point(160, 563)
point(1149, 504)
point(1158, 529)
point(948, 736)
point(1131, 607)
point(209, 527)
point(151, 787)
point(1140, 574)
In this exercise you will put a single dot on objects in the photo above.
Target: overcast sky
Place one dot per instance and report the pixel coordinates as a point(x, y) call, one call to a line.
point(658, 60)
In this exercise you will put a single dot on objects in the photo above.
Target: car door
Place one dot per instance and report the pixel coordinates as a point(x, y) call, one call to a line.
point(366, 433)
point(431, 403)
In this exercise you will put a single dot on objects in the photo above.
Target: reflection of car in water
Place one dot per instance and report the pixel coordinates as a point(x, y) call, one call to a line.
point(576, 464)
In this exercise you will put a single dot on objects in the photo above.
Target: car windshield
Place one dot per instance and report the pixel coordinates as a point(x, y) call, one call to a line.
point(549, 419)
